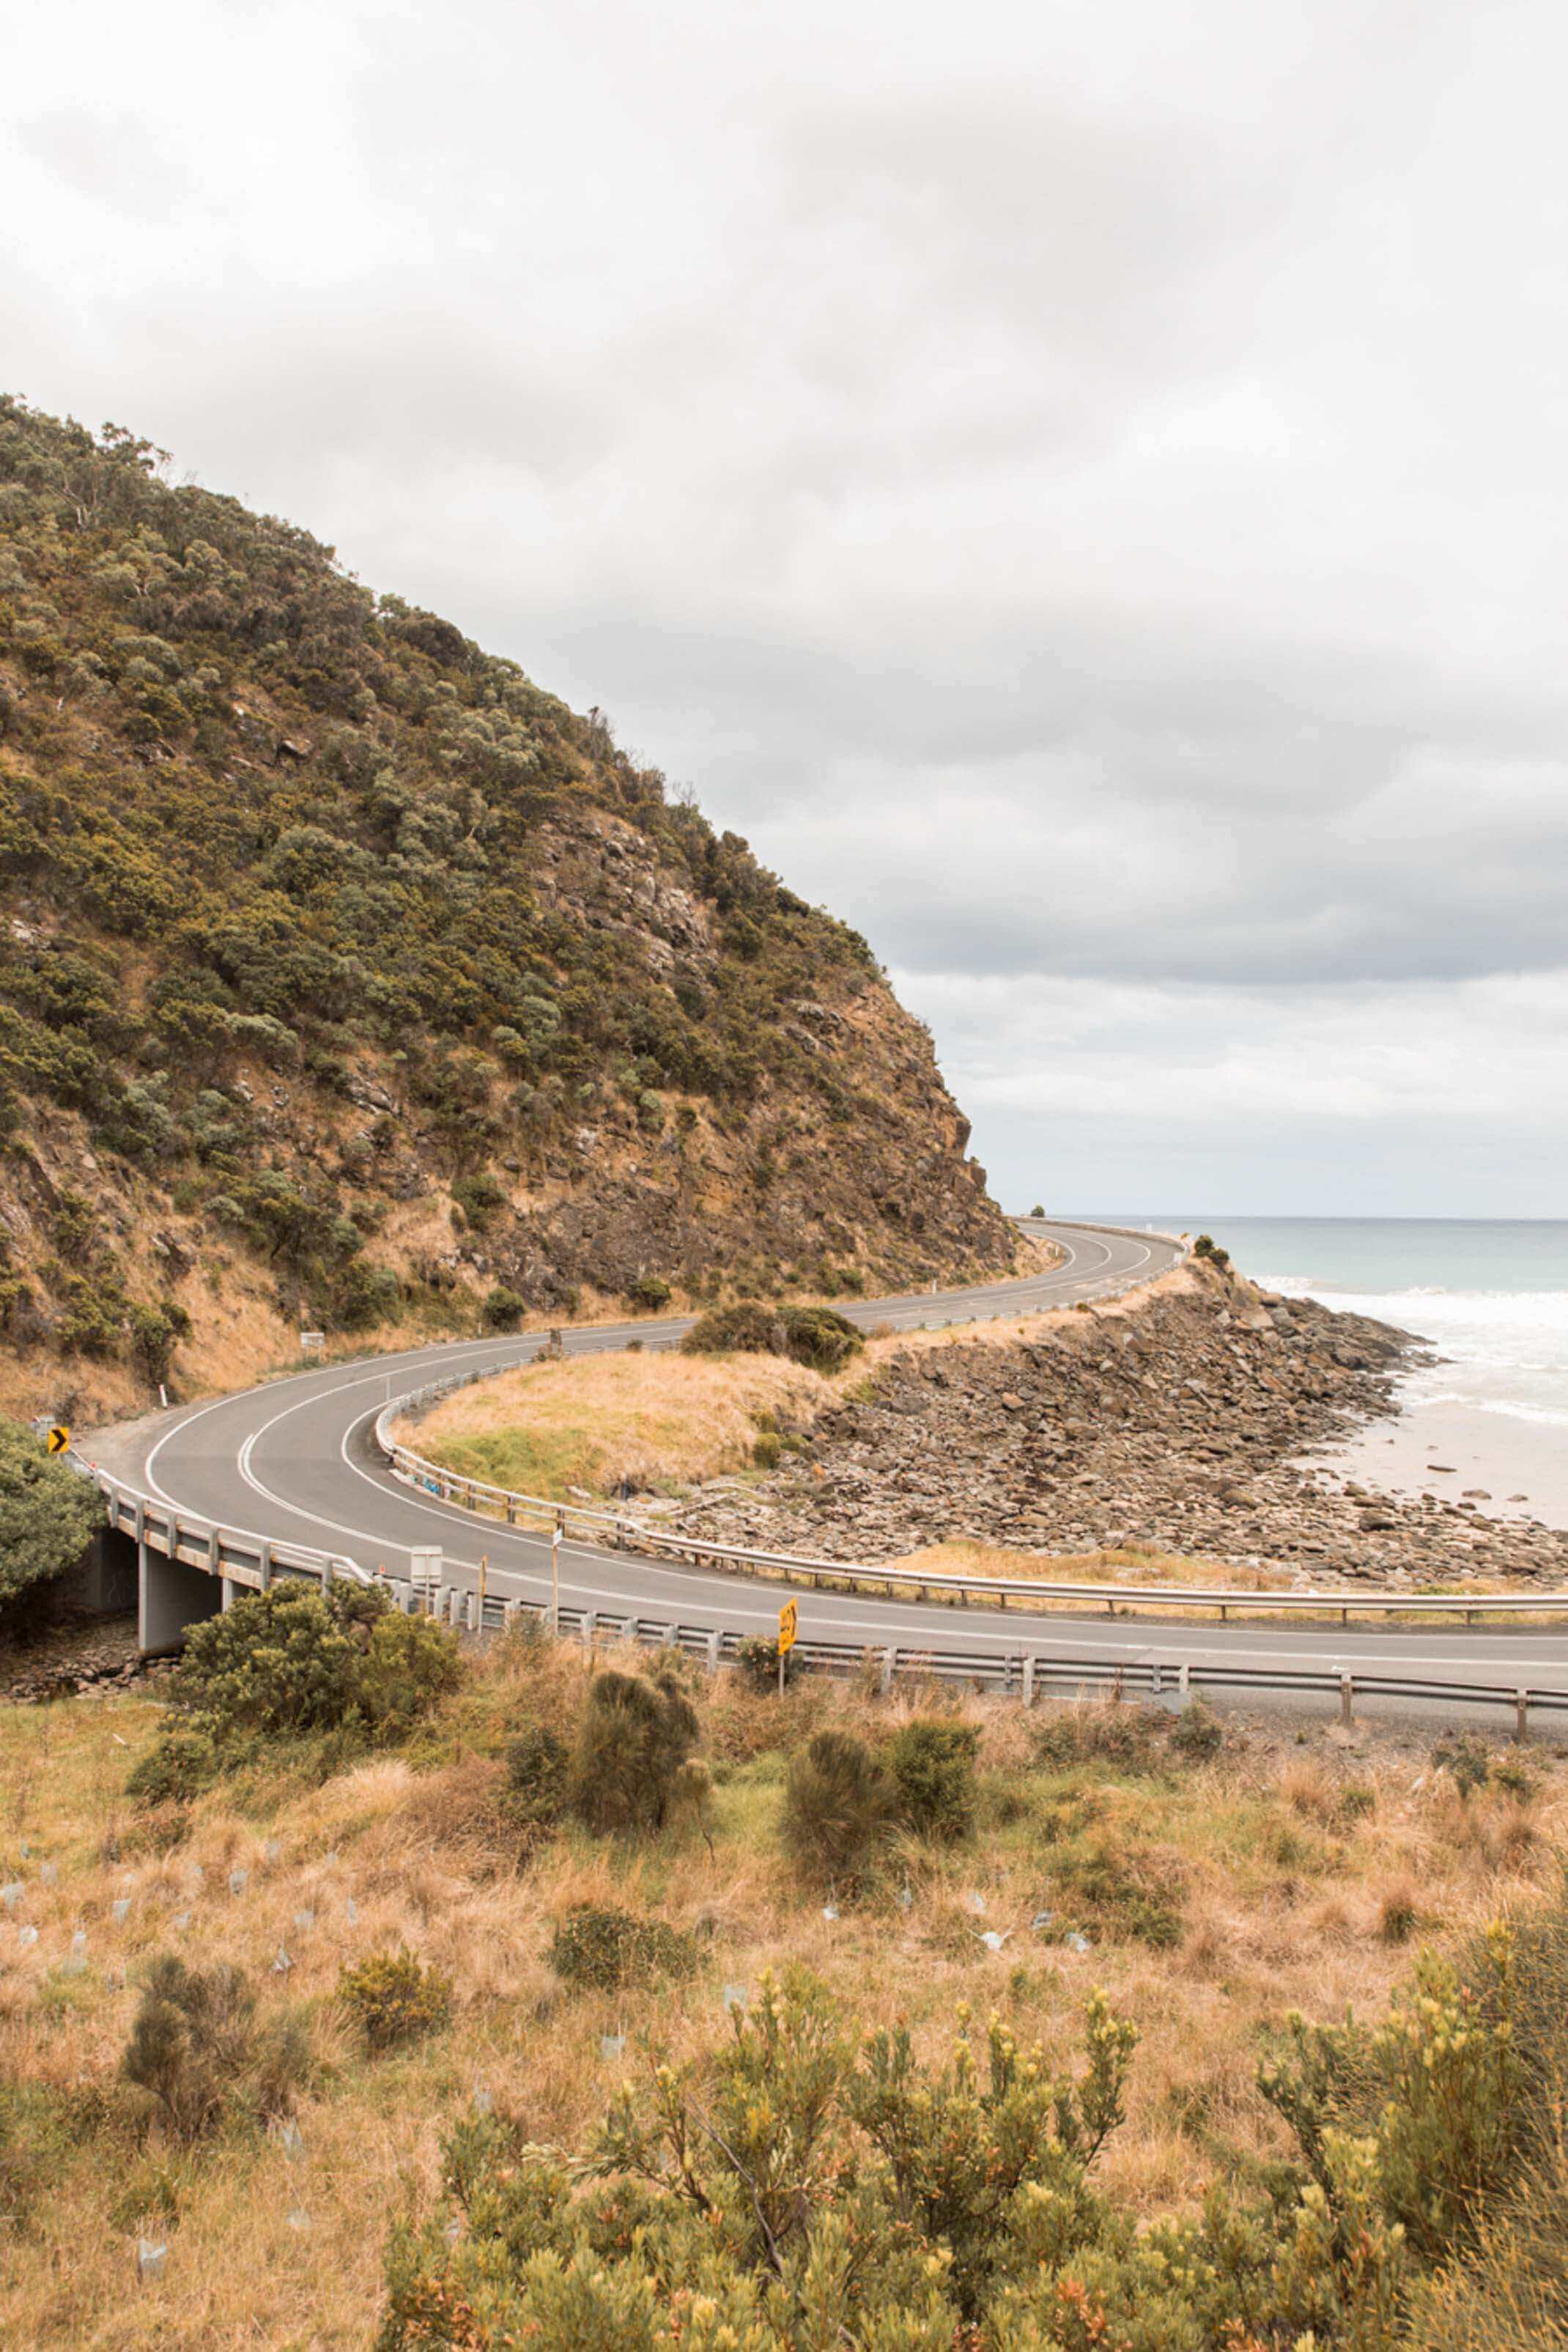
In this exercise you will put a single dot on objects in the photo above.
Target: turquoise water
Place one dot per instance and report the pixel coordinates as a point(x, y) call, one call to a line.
point(1491, 1296)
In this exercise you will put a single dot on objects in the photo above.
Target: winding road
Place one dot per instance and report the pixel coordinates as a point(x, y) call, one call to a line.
point(294, 1462)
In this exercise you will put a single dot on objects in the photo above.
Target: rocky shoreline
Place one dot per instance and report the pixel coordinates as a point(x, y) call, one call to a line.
point(1175, 1423)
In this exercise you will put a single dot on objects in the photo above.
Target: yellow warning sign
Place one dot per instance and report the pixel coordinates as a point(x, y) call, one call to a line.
point(789, 1618)
point(58, 1438)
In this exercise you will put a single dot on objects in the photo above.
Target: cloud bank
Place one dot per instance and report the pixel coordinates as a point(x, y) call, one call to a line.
point(1082, 490)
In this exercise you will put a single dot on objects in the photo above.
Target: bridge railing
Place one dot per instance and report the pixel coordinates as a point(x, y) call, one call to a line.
point(257, 1562)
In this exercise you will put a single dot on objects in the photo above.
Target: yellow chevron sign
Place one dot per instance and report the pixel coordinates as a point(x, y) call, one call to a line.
point(789, 1618)
point(58, 1439)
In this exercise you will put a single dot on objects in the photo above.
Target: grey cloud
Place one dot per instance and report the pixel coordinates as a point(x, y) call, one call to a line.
point(1091, 512)
point(116, 159)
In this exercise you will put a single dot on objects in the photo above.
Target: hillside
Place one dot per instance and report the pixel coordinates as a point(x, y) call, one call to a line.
point(350, 980)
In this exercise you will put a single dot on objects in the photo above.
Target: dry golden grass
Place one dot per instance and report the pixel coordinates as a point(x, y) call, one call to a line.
point(1131, 1565)
point(655, 1420)
point(1293, 1859)
point(658, 1421)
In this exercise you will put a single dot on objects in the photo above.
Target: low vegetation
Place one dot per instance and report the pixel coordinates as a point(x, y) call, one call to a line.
point(818, 1336)
point(327, 1674)
point(611, 1424)
point(1012, 2067)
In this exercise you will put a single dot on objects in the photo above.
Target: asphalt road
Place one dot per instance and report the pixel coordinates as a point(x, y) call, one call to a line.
point(294, 1461)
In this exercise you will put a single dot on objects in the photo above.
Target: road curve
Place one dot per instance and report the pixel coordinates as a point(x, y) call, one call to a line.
point(294, 1462)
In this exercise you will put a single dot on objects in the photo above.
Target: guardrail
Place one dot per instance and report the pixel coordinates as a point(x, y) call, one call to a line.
point(625, 1533)
point(256, 1563)
point(252, 1560)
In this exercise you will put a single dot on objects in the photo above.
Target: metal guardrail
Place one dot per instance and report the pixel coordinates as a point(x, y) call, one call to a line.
point(626, 1534)
point(256, 1563)
point(252, 1560)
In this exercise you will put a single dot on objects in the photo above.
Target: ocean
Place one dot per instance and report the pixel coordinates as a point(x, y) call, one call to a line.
point(1492, 1299)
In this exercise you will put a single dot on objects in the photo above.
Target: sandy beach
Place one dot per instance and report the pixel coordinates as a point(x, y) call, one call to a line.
point(1509, 1467)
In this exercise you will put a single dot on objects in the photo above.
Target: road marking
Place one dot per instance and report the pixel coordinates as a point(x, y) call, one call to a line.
point(307, 1390)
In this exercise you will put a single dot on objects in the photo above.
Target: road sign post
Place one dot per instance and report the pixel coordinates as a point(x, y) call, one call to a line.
point(789, 1625)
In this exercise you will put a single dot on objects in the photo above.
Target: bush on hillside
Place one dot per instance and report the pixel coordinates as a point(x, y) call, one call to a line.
point(649, 1291)
point(635, 1734)
point(407, 1664)
point(839, 1804)
point(744, 1329)
point(48, 1512)
point(538, 1778)
point(818, 1336)
point(920, 2203)
point(289, 1662)
point(821, 1337)
point(502, 1311)
point(182, 1761)
point(601, 1948)
point(758, 1659)
point(934, 1764)
point(393, 1999)
point(796, 2187)
point(200, 2053)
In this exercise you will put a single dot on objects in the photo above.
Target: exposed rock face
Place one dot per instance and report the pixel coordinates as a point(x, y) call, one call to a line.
point(1171, 1424)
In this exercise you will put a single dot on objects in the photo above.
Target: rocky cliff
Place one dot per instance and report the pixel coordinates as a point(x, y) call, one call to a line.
point(350, 980)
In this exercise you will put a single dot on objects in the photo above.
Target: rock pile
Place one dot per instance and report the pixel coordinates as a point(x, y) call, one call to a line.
point(65, 1658)
point(1175, 1424)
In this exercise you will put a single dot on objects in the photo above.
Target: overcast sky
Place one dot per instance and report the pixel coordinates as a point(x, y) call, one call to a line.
point(1081, 486)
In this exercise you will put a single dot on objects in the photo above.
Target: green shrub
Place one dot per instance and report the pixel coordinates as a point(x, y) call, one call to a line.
point(635, 1734)
point(604, 1949)
point(839, 1805)
point(767, 1449)
point(153, 1332)
point(407, 1665)
point(48, 1512)
point(1210, 1250)
point(934, 1764)
point(1198, 1732)
point(649, 1291)
point(182, 1762)
point(820, 1337)
point(537, 1778)
point(392, 1998)
point(277, 1662)
point(198, 2052)
point(289, 1662)
point(758, 1659)
point(795, 2188)
point(502, 1309)
point(744, 1330)
point(479, 1197)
